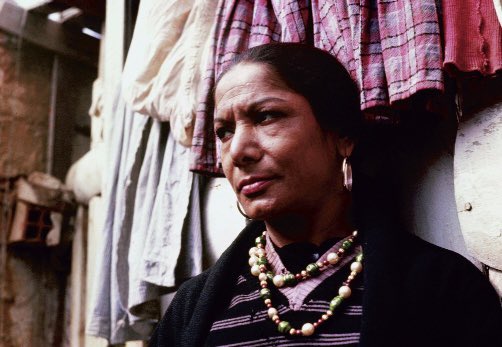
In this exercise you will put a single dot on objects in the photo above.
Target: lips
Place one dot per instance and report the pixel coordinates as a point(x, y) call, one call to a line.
point(254, 185)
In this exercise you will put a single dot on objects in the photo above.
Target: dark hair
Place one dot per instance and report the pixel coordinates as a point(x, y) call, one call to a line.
point(315, 74)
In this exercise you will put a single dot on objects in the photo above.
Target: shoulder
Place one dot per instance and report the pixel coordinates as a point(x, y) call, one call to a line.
point(169, 330)
point(437, 263)
point(448, 289)
point(424, 264)
point(189, 315)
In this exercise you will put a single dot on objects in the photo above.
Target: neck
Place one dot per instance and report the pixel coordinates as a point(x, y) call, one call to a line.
point(314, 227)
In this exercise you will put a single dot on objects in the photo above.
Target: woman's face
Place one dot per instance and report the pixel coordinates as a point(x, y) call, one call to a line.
point(274, 153)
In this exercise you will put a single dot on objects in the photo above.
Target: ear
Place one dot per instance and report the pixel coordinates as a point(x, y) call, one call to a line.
point(345, 146)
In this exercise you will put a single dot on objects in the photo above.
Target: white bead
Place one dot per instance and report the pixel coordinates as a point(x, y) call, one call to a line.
point(272, 312)
point(260, 252)
point(278, 280)
point(356, 266)
point(252, 251)
point(252, 260)
point(255, 270)
point(354, 233)
point(344, 292)
point(262, 276)
point(332, 258)
point(307, 329)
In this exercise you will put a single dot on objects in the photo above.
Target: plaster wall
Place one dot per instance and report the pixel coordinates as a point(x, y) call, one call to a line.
point(427, 194)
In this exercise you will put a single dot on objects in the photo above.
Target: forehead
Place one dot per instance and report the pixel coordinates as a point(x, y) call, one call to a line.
point(247, 80)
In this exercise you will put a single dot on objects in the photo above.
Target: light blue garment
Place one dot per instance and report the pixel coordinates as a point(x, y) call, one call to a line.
point(152, 216)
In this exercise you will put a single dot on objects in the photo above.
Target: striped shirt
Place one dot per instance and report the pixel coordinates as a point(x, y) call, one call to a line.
point(245, 322)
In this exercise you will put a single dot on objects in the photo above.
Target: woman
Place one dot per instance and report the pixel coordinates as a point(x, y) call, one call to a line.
point(287, 116)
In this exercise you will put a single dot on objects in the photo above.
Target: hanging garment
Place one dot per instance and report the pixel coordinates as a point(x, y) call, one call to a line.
point(159, 24)
point(147, 199)
point(392, 49)
point(240, 24)
point(472, 37)
point(162, 71)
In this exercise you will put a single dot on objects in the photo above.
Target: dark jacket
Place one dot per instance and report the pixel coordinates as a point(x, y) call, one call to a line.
point(431, 296)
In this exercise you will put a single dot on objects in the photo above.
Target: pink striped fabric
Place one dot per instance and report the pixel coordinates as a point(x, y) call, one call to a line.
point(240, 24)
point(392, 49)
point(473, 37)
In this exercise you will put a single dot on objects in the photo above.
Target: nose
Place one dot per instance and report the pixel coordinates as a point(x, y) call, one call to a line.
point(244, 146)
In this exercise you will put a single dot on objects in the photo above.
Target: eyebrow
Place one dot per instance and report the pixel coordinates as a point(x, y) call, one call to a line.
point(254, 105)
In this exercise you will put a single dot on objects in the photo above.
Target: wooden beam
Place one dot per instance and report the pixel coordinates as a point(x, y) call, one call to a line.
point(60, 38)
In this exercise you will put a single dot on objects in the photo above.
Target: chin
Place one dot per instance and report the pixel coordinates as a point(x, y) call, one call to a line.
point(262, 210)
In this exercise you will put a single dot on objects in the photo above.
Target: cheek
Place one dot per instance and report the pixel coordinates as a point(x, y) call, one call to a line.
point(226, 165)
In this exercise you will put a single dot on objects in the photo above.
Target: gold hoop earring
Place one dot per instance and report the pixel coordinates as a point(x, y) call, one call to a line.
point(347, 174)
point(241, 211)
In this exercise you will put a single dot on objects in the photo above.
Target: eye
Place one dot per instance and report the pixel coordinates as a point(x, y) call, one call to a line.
point(265, 117)
point(224, 133)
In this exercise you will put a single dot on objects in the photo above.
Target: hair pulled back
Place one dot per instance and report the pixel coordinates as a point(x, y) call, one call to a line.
point(316, 75)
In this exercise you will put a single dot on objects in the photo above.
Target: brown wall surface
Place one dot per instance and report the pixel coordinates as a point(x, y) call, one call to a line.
point(33, 279)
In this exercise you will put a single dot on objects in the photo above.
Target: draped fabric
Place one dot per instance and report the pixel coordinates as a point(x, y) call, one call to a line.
point(240, 24)
point(163, 68)
point(473, 37)
point(391, 48)
point(152, 234)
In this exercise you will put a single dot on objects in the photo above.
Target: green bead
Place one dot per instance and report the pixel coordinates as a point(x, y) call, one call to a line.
point(284, 327)
point(312, 269)
point(270, 275)
point(337, 301)
point(346, 244)
point(262, 261)
point(289, 279)
point(265, 293)
point(260, 239)
point(359, 257)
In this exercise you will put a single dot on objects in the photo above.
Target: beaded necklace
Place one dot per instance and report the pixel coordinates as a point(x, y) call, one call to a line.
point(259, 262)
